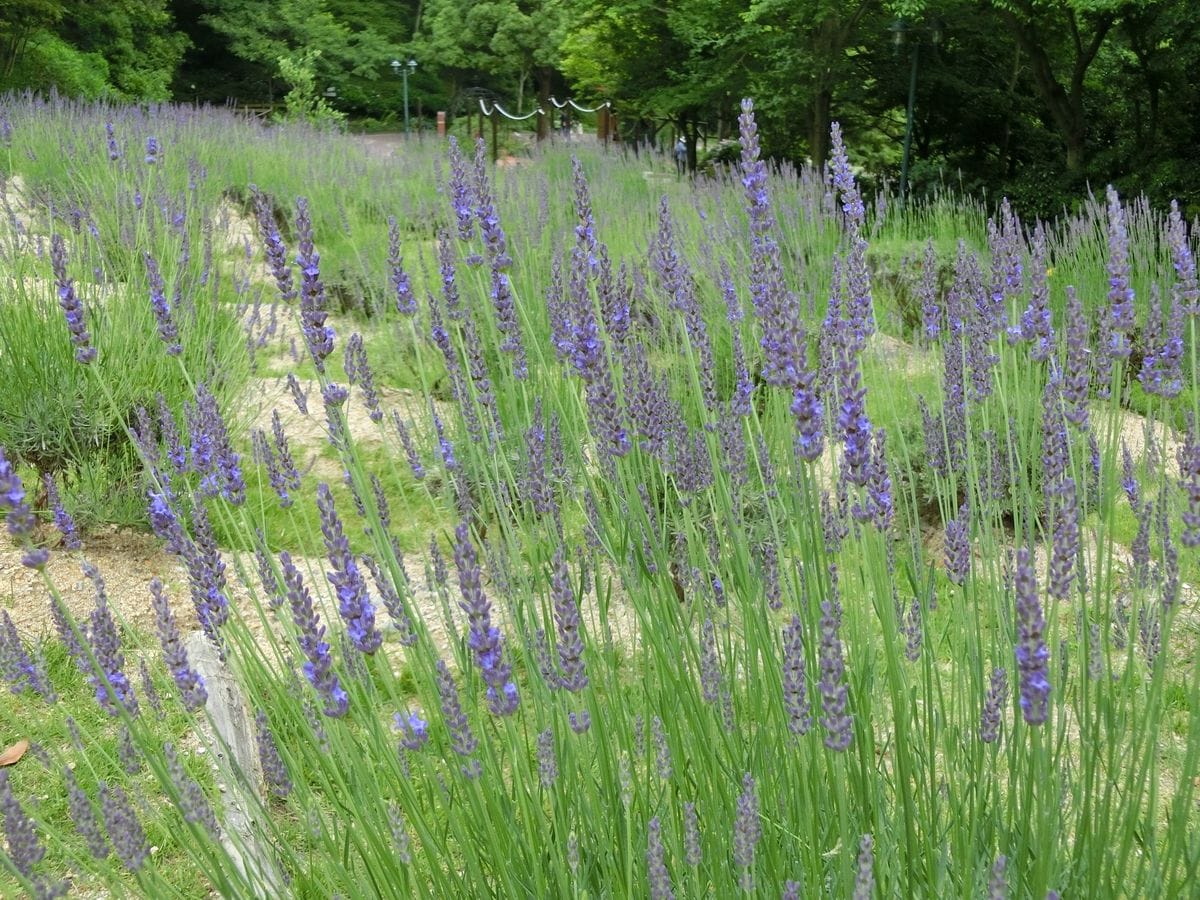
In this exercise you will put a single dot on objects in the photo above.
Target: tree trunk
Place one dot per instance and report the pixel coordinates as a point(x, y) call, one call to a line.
point(544, 76)
point(1064, 104)
point(818, 127)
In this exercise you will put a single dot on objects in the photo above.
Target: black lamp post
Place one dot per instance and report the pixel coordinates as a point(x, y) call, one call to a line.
point(402, 69)
point(901, 31)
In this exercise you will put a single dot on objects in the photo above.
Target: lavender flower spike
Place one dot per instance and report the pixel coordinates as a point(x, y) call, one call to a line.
point(191, 685)
point(106, 647)
point(167, 330)
point(124, 830)
point(275, 772)
point(462, 739)
point(483, 637)
point(747, 831)
point(795, 683)
point(354, 603)
point(72, 306)
point(834, 691)
point(1032, 655)
point(319, 667)
point(317, 335)
point(24, 849)
point(656, 868)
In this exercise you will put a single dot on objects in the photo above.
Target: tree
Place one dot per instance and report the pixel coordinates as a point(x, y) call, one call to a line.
point(21, 20)
point(1061, 39)
point(682, 64)
point(808, 52)
point(262, 32)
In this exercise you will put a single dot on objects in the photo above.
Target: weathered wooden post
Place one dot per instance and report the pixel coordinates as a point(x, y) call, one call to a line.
point(234, 745)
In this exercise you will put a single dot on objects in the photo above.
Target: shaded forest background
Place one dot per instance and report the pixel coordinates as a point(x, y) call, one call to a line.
point(1033, 99)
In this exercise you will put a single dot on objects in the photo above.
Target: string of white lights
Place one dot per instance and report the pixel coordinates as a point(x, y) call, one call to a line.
point(496, 107)
point(576, 106)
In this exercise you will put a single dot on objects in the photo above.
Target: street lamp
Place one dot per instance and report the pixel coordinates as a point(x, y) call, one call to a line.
point(900, 33)
point(402, 69)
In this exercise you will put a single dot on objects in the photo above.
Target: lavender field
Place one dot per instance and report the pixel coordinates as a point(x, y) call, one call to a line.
point(573, 530)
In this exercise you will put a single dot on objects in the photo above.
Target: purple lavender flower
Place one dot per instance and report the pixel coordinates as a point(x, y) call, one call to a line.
point(1185, 292)
point(106, 647)
point(1129, 481)
point(1065, 542)
point(213, 456)
point(414, 731)
point(317, 335)
point(1032, 654)
point(1036, 323)
point(63, 520)
point(496, 244)
point(289, 475)
point(406, 301)
point(273, 246)
point(152, 150)
point(483, 637)
point(191, 685)
point(747, 831)
point(460, 192)
point(566, 618)
point(191, 801)
point(768, 565)
point(589, 357)
point(354, 603)
point(783, 340)
point(838, 724)
point(72, 306)
point(83, 814)
point(1077, 369)
point(297, 394)
point(462, 739)
point(1119, 322)
point(795, 680)
point(319, 667)
point(17, 667)
point(114, 152)
point(691, 835)
point(206, 576)
point(911, 627)
point(998, 884)
point(410, 450)
point(1189, 479)
point(24, 849)
point(710, 663)
point(149, 691)
point(12, 492)
point(958, 547)
point(1170, 566)
point(993, 706)
point(656, 867)
point(547, 761)
point(927, 294)
point(536, 483)
point(124, 830)
point(356, 363)
point(167, 329)
point(1162, 366)
point(864, 878)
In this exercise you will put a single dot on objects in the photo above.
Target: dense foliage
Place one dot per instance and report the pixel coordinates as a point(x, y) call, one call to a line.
point(1031, 99)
